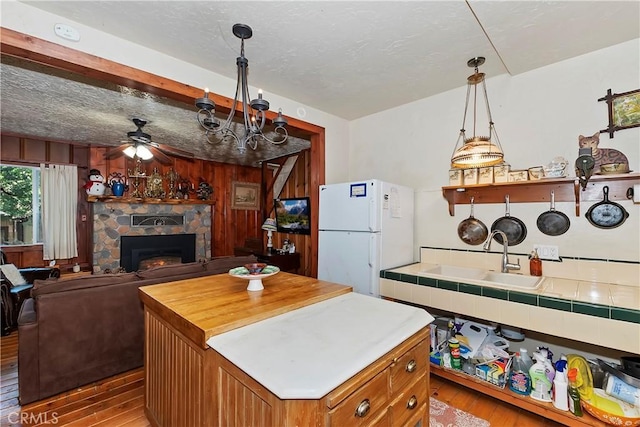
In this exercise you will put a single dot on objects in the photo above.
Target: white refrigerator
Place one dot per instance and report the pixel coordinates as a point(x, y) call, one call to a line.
point(364, 227)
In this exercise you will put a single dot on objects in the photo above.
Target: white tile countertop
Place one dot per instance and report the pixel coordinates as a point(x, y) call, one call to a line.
point(306, 353)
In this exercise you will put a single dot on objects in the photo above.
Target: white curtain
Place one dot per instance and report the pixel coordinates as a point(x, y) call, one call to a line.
point(59, 185)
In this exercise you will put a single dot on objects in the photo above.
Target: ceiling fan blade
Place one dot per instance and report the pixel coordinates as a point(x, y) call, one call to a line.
point(116, 151)
point(172, 151)
point(159, 155)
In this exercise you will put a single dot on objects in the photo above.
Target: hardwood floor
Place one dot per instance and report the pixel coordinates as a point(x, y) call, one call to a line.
point(119, 400)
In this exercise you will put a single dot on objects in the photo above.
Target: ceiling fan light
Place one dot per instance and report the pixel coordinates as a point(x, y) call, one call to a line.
point(143, 152)
point(130, 151)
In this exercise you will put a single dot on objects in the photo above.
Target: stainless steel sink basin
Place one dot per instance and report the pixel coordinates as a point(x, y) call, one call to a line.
point(483, 277)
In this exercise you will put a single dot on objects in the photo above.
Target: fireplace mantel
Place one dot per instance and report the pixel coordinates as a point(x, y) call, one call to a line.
point(114, 199)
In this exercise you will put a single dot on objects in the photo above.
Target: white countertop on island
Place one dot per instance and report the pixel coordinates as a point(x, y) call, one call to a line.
point(306, 353)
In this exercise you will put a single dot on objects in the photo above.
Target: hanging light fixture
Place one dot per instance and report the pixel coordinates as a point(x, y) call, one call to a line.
point(253, 110)
point(477, 151)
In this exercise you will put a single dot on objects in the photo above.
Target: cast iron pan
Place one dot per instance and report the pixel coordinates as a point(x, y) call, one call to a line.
point(552, 222)
point(513, 227)
point(472, 231)
point(606, 214)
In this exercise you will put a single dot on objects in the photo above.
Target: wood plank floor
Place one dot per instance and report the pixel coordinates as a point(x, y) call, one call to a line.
point(119, 400)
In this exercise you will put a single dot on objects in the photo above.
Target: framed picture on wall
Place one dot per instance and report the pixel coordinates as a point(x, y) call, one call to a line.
point(245, 195)
point(624, 110)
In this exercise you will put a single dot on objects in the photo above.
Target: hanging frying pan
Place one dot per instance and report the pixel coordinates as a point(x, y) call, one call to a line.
point(472, 231)
point(552, 222)
point(513, 227)
point(606, 214)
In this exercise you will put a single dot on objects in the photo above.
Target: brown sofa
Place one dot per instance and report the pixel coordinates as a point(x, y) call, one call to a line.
point(74, 331)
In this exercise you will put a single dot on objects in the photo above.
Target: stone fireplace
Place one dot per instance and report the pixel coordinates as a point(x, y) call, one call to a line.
point(113, 220)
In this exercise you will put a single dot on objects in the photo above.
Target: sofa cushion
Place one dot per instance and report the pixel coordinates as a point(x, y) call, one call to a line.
point(49, 286)
point(223, 264)
point(170, 270)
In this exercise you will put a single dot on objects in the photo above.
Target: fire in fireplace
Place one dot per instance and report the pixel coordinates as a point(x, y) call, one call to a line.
point(139, 252)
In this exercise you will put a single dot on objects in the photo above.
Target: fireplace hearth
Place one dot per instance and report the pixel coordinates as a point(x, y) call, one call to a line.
point(156, 250)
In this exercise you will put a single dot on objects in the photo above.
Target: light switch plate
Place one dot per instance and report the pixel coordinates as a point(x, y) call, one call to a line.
point(548, 252)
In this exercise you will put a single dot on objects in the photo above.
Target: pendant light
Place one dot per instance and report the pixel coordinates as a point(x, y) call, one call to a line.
point(477, 151)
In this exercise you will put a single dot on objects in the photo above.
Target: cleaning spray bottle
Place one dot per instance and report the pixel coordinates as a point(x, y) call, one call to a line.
point(561, 390)
point(540, 384)
point(519, 380)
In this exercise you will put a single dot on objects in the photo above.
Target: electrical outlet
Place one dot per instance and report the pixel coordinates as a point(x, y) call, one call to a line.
point(547, 252)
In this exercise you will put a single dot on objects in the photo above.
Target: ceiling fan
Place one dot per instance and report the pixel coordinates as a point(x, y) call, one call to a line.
point(141, 146)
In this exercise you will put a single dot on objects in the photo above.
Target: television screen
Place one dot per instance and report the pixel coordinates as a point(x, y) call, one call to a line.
point(293, 215)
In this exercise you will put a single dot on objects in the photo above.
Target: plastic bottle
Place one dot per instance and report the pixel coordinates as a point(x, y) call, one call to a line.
point(574, 394)
point(519, 379)
point(524, 355)
point(535, 264)
point(540, 384)
point(616, 387)
point(561, 391)
point(454, 348)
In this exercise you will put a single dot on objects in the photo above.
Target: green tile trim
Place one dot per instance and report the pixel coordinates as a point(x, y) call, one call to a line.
point(496, 293)
point(470, 289)
point(445, 284)
point(427, 281)
point(591, 309)
point(625, 314)
point(554, 303)
point(571, 306)
point(393, 276)
point(522, 298)
point(409, 278)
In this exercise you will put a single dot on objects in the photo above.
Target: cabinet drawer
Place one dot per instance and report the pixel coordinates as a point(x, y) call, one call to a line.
point(409, 366)
point(409, 402)
point(364, 405)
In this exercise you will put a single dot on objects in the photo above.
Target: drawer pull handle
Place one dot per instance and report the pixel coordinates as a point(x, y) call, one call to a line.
point(363, 408)
point(411, 366)
point(413, 402)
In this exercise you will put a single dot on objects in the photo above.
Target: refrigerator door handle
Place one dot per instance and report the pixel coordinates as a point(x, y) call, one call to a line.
point(372, 213)
point(372, 250)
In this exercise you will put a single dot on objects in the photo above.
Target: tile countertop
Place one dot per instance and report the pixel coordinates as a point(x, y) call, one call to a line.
point(599, 299)
point(306, 353)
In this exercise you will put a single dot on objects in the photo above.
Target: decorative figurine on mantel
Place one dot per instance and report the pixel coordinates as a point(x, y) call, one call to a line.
point(204, 190)
point(135, 177)
point(173, 178)
point(95, 185)
point(184, 188)
point(603, 156)
point(154, 188)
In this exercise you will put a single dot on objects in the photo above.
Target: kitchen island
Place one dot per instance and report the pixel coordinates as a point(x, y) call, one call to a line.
point(300, 352)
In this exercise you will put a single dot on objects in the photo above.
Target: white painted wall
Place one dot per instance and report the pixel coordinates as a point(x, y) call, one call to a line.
point(538, 116)
point(29, 20)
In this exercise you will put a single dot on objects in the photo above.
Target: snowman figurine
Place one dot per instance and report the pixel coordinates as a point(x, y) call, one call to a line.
point(95, 185)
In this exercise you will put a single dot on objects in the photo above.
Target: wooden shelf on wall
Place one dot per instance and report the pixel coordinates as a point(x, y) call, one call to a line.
point(114, 199)
point(565, 190)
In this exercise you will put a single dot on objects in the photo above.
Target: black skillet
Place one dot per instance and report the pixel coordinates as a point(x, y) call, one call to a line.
point(552, 222)
point(472, 231)
point(513, 227)
point(606, 214)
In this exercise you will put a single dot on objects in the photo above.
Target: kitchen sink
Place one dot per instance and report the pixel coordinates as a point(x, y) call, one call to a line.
point(455, 272)
point(483, 277)
point(511, 279)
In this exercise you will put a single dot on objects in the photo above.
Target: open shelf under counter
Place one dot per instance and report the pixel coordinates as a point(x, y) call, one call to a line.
point(567, 189)
point(543, 409)
point(114, 199)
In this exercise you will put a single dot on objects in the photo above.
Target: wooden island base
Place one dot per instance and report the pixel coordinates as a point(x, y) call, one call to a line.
point(189, 384)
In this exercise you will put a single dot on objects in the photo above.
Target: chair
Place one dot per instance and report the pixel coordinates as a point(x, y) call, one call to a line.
point(18, 282)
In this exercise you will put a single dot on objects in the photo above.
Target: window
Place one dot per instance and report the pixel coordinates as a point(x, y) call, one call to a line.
point(20, 205)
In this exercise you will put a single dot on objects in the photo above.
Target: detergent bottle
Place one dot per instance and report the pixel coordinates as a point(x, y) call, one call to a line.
point(540, 384)
point(519, 380)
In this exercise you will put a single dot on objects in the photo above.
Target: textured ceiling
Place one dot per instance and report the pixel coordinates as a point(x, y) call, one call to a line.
point(348, 58)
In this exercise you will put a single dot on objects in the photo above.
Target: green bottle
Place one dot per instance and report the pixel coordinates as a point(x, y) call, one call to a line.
point(574, 394)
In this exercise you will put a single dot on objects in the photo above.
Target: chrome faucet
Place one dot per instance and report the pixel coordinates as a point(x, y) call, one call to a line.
point(506, 265)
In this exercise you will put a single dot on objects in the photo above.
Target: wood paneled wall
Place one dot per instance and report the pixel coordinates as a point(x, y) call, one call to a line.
point(230, 227)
